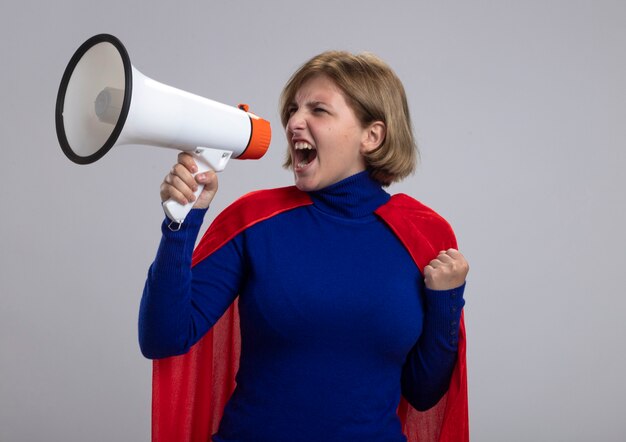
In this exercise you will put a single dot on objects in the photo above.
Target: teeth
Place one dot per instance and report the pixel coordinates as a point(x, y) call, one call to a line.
point(307, 152)
point(302, 145)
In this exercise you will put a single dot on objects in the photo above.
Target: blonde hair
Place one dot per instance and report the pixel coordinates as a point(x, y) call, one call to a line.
point(374, 93)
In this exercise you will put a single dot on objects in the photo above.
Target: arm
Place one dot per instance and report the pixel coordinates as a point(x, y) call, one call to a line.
point(179, 304)
point(428, 368)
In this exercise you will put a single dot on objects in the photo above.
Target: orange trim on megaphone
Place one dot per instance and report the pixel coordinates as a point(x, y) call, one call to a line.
point(260, 137)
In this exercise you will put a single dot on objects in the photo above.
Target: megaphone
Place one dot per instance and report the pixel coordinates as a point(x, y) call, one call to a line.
point(103, 101)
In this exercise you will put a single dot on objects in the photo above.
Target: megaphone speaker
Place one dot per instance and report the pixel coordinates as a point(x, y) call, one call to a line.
point(103, 101)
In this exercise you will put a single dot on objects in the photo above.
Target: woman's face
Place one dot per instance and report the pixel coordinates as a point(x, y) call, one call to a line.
point(326, 140)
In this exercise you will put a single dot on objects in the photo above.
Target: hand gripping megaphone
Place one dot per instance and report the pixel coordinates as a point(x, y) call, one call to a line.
point(103, 101)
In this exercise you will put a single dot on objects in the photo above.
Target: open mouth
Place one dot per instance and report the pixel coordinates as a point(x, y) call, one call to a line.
point(304, 154)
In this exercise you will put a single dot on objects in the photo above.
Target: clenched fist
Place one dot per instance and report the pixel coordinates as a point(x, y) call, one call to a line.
point(447, 271)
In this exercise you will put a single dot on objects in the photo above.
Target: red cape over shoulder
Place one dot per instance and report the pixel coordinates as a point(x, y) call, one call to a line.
point(189, 392)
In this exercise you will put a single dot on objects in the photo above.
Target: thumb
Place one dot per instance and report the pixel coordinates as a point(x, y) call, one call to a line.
point(210, 182)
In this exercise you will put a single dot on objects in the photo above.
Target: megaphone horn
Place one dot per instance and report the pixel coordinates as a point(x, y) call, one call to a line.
point(103, 101)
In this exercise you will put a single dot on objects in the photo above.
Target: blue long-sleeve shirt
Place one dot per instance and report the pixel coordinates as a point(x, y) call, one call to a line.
point(335, 320)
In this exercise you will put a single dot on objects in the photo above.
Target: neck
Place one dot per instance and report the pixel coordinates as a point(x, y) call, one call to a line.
point(353, 197)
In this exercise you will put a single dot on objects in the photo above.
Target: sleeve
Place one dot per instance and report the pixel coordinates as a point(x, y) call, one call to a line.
point(180, 303)
point(428, 368)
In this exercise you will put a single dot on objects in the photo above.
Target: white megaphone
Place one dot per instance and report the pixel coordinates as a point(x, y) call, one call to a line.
point(103, 101)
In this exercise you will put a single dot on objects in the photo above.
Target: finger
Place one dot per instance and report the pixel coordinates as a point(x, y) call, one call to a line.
point(458, 260)
point(435, 263)
point(444, 258)
point(428, 270)
point(181, 171)
point(188, 161)
point(208, 179)
point(454, 253)
point(178, 185)
point(170, 192)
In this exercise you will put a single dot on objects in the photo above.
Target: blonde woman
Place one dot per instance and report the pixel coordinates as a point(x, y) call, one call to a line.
point(349, 300)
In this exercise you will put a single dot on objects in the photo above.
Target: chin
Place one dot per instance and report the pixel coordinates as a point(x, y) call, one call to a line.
point(305, 187)
point(306, 184)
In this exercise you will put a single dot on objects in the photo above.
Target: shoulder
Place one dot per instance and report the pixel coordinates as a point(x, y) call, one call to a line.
point(267, 201)
point(413, 208)
point(246, 211)
point(410, 218)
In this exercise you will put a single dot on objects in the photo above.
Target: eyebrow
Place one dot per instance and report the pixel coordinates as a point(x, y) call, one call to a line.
point(309, 104)
point(315, 103)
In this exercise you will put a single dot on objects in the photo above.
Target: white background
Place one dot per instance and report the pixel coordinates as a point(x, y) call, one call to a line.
point(519, 110)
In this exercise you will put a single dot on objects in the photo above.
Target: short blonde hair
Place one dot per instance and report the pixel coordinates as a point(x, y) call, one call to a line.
point(374, 93)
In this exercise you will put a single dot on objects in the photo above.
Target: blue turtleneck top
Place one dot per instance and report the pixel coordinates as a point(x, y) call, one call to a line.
point(336, 322)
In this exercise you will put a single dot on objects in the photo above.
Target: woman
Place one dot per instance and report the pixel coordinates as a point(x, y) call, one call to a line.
point(340, 314)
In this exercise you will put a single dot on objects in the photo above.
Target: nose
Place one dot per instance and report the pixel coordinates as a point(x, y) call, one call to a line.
point(296, 122)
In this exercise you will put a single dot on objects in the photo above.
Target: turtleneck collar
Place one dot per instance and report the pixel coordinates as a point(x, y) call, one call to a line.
point(353, 197)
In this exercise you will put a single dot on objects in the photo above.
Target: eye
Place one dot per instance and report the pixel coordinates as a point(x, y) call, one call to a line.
point(291, 110)
point(319, 110)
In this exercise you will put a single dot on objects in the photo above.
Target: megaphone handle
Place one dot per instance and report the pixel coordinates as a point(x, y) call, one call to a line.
point(206, 159)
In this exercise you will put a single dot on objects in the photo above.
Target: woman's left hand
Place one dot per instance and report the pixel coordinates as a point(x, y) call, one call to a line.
point(447, 271)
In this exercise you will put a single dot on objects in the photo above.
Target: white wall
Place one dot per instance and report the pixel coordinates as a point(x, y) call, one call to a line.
point(519, 109)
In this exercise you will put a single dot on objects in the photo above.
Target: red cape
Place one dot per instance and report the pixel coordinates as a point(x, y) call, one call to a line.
point(189, 392)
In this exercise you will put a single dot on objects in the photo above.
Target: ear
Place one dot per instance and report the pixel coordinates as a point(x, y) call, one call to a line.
point(373, 136)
